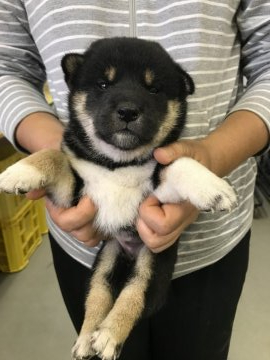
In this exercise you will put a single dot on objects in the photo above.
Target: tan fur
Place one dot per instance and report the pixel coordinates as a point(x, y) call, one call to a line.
point(72, 63)
point(174, 107)
point(149, 77)
point(110, 73)
point(79, 101)
point(99, 300)
point(48, 161)
point(130, 303)
point(56, 173)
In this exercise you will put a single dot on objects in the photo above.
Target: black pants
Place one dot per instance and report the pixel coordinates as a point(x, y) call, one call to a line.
point(196, 322)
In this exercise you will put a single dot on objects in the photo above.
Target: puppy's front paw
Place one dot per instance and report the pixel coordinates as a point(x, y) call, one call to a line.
point(186, 179)
point(215, 195)
point(105, 344)
point(82, 350)
point(21, 178)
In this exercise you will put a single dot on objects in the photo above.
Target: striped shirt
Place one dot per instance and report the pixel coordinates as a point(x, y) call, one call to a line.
point(208, 38)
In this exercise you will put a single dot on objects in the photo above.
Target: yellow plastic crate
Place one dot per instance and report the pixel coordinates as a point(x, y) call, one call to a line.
point(42, 216)
point(22, 222)
point(19, 237)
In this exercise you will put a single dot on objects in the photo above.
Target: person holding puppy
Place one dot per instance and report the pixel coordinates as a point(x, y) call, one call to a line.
point(228, 123)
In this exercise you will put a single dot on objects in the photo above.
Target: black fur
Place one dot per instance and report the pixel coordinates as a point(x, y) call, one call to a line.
point(129, 57)
point(84, 73)
point(126, 102)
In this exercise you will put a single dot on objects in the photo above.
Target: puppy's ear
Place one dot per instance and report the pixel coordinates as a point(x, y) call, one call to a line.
point(189, 83)
point(70, 64)
point(187, 79)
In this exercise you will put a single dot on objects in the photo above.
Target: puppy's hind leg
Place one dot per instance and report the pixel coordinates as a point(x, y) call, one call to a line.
point(48, 169)
point(99, 300)
point(110, 336)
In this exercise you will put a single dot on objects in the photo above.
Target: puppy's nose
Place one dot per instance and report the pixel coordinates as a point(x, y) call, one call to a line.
point(128, 113)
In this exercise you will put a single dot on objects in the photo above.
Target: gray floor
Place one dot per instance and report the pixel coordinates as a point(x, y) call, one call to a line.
point(34, 323)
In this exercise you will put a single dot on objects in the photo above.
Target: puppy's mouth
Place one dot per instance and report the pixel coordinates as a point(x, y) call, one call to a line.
point(125, 139)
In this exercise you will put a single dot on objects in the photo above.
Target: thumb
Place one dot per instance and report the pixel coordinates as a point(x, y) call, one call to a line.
point(35, 194)
point(167, 154)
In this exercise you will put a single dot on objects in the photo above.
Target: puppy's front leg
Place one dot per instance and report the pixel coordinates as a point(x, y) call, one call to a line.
point(99, 301)
point(110, 336)
point(48, 169)
point(187, 179)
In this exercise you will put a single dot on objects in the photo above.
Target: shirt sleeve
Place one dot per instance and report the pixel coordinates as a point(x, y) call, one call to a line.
point(254, 29)
point(22, 73)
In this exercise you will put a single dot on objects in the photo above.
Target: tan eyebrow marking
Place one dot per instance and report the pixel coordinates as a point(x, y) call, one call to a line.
point(149, 77)
point(110, 72)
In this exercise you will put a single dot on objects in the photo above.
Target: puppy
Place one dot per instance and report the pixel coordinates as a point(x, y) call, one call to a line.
point(127, 97)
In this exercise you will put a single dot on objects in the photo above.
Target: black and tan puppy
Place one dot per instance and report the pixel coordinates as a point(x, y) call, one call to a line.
point(127, 97)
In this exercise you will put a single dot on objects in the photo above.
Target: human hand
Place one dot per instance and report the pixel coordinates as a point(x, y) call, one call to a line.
point(160, 225)
point(76, 220)
point(195, 149)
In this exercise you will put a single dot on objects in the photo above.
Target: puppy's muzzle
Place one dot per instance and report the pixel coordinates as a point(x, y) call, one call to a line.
point(128, 113)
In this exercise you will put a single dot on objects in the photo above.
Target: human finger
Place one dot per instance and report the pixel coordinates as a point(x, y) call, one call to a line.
point(167, 154)
point(35, 194)
point(152, 240)
point(88, 235)
point(75, 217)
point(164, 218)
point(157, 239)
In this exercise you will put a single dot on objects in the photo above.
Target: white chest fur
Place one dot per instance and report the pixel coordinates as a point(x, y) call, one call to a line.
point(116, 193)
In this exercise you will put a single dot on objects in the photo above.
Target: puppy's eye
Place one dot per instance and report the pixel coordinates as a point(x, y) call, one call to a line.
point(103, 85)
point(153, 90)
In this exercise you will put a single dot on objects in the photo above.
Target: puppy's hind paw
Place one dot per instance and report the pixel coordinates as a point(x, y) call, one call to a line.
point(105, 345)
point(21, 178)
point(82, 349)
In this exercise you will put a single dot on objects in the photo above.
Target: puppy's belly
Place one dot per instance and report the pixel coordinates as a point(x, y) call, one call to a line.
point(117, 193)
point(117, 206)
point(130, 241)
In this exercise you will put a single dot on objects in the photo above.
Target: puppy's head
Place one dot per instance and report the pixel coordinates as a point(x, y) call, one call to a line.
point(128, 95)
